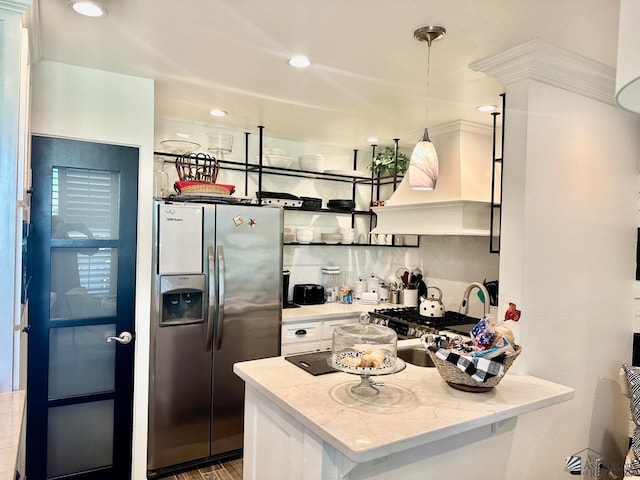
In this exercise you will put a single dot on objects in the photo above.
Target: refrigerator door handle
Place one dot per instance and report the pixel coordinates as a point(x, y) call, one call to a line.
point(211, 300)
point(220, 316)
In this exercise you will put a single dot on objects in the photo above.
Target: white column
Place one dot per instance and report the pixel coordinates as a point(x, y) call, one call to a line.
point(568, 246)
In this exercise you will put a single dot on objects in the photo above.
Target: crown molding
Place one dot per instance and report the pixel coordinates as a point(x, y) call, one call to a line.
point(15, 6)
point(32, 23)
point(461, 126)
point(555, 66)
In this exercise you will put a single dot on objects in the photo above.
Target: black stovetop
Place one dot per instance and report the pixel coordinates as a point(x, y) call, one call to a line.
point(407, 321)
point(412, 315)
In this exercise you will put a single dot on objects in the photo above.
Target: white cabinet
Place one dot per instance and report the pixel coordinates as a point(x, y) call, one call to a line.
point(14, 176)
point(310, 335)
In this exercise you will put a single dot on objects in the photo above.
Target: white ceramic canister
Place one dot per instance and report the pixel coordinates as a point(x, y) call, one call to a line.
point(410, 297)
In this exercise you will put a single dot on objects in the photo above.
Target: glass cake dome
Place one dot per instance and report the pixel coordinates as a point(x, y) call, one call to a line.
point(364, 349)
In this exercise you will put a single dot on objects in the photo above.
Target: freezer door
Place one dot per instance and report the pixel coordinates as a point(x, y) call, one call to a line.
point(249, 246)
point(179, 229)
point(179, 403)
point(180, 365)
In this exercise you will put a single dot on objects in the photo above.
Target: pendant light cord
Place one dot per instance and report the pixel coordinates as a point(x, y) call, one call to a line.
point(426, 119)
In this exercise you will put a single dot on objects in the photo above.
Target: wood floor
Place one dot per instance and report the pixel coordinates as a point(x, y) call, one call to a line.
point(229, 470)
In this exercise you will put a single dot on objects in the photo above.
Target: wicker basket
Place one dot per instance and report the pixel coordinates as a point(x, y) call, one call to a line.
point(459, 380)
point(197, 167)
point(203, 187)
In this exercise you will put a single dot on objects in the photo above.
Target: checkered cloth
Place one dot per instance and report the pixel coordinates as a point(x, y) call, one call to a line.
point(633, 379)
point(480, 369)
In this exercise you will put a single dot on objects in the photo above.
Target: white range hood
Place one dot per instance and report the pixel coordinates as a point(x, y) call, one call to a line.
point(460, 203)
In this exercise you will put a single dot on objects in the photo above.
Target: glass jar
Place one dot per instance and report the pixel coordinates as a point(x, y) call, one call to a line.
point(160, 180)
point(331, 282)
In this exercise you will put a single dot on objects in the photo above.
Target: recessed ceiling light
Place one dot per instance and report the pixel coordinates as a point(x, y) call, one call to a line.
point(216, 112)
point(299, 61)
point(486, 108)
point(184, 136)
point(372, 139)
point(88, 9)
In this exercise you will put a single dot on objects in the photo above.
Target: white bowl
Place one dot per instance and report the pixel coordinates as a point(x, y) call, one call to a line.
point(180, 147)
point(347, 238)
point(304, 238)
point(278, 161)
point(331, 238)
point(275, 151)
point(312, 163)
point(304, 234)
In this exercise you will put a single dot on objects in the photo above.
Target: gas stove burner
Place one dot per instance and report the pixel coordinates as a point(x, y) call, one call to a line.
point(408, 323)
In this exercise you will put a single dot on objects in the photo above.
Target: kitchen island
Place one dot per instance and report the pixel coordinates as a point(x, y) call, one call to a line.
point(12, 405)
point(299, 426)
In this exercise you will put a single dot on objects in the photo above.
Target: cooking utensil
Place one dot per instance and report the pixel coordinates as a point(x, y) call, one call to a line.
point(432, 307)
point(311, 202)
point(278, 195)
point(493, 288)
point(338, 204)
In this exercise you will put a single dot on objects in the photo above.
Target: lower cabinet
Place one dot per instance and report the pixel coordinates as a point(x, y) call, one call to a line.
point(310, 335)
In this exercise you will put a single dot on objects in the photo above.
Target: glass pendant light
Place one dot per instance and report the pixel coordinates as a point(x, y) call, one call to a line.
point(628, 66)
point(423, 165)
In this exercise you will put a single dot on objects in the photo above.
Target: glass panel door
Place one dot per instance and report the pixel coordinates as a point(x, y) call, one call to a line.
point(80, 375)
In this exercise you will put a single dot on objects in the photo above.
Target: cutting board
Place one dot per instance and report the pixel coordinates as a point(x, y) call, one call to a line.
point(314, 363)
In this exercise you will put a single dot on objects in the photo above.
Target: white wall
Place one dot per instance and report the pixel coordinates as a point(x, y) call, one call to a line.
point(567, 261)
point(92, 105)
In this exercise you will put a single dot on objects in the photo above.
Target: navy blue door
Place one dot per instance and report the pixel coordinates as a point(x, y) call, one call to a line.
point(81, 310)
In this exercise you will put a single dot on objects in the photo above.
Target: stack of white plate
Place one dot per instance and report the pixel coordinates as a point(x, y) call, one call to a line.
point(331, 238)
point(288, 235)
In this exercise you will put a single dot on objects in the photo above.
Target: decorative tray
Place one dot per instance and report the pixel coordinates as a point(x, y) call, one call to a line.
point(209, 198)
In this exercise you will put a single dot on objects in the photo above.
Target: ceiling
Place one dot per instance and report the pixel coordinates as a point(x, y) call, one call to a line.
point(368, 74)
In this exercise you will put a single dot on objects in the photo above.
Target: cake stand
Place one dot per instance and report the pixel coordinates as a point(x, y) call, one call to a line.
point(368, 387)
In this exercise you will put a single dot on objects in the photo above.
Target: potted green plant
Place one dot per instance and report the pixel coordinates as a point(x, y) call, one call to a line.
point(384, 161)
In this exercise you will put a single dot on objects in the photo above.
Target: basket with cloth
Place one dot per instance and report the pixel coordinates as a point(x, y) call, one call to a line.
point(477, 365)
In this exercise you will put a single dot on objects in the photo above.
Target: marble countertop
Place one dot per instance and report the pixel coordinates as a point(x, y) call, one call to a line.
point(11, 412)
point(330, 310)
point(414, 407)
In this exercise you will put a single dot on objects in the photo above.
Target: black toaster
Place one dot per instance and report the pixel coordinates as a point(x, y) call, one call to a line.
point(308, 294)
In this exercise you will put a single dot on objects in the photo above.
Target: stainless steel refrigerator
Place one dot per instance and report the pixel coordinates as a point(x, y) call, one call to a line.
point(217, 287)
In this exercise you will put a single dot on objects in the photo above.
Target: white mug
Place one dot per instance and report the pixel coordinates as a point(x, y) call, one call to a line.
point(382, 239)
point(374, 239)
point(389, 239)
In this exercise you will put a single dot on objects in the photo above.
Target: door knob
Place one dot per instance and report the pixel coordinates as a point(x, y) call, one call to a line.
point(123, 338)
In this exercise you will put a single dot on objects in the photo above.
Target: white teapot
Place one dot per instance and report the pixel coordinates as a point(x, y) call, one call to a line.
point(432, 307)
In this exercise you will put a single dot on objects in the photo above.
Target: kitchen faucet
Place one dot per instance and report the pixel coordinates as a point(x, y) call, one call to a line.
point(464, 306)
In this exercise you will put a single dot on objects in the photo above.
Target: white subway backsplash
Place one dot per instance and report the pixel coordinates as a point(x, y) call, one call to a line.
point(449, 263)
